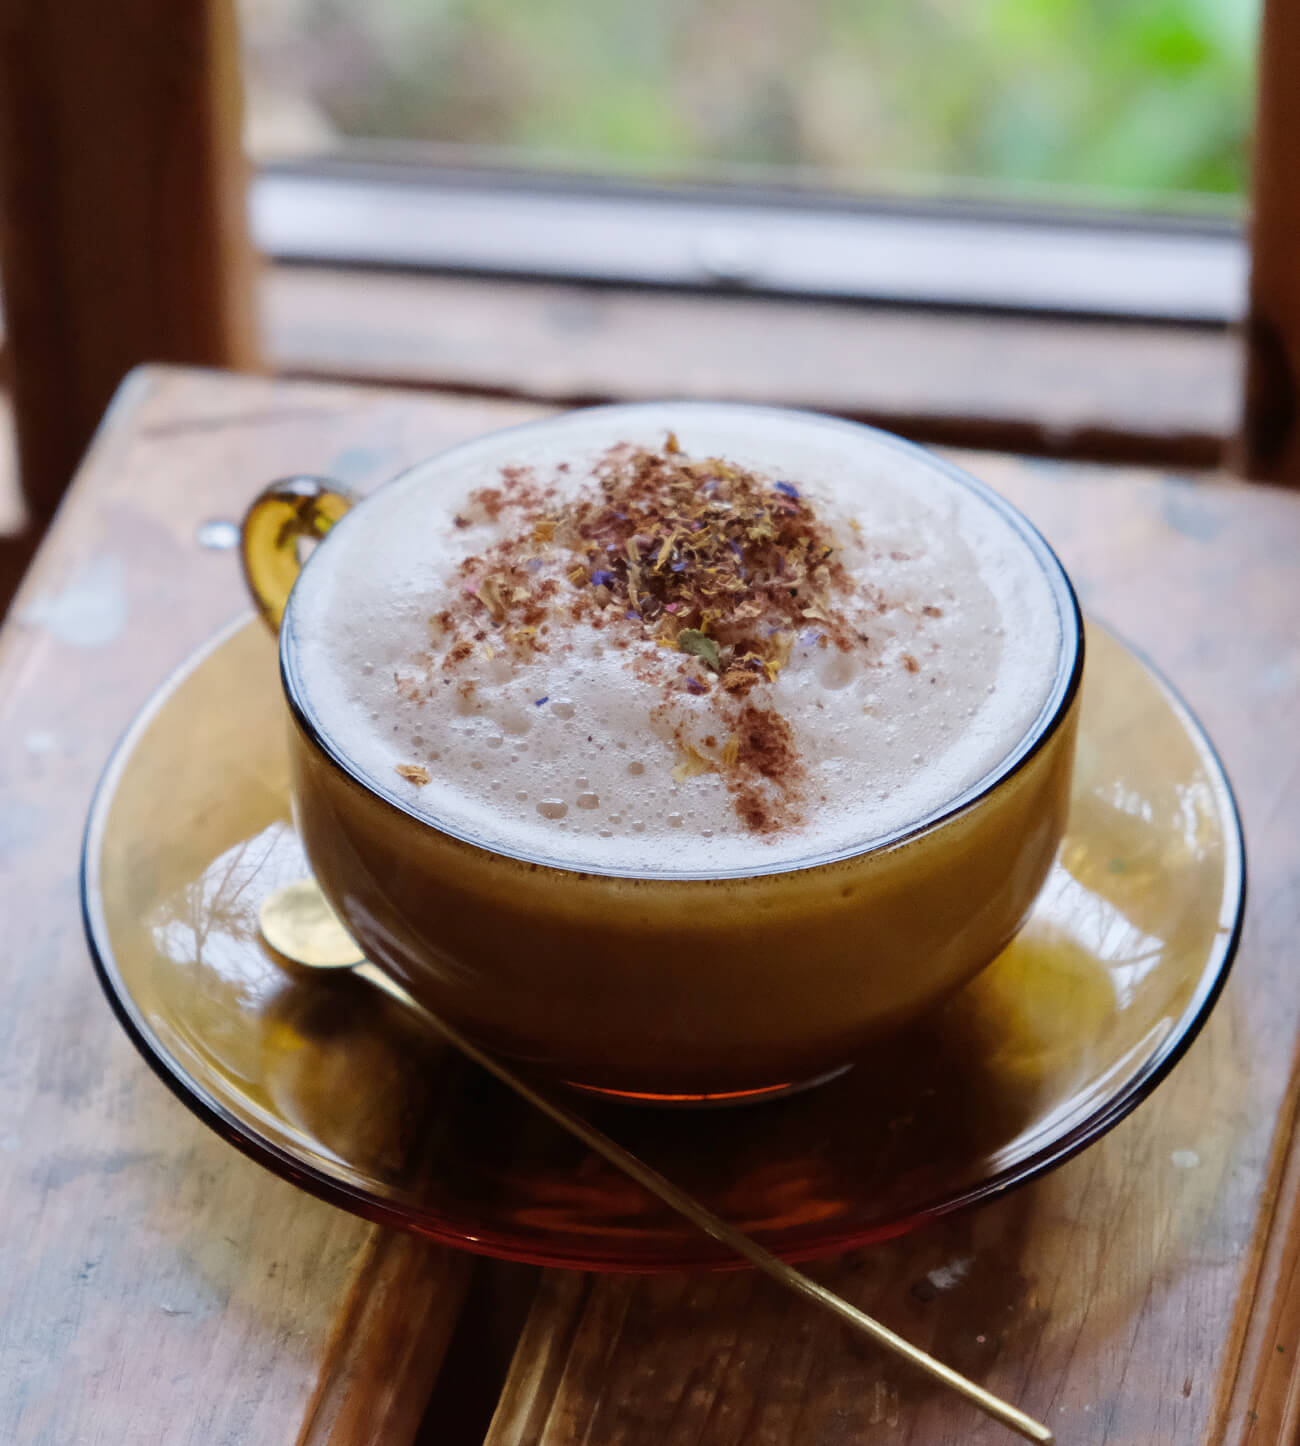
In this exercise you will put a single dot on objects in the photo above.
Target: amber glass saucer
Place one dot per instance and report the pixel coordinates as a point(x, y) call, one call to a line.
point(340, 1089)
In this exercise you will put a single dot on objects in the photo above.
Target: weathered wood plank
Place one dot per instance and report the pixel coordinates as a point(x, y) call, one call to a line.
point(154, 1284)
point(1066, 388)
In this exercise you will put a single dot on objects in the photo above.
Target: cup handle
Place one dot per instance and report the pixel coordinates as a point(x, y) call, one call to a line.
point(279, 519)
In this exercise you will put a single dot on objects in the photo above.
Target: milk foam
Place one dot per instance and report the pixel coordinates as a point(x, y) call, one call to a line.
point(558, 757)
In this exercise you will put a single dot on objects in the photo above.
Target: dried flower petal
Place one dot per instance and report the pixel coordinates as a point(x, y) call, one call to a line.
point(691, 765)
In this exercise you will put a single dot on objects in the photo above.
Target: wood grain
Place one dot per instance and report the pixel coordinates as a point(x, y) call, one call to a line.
point(1160, 394)
point(1263, 1405)
point(391, 1338)
point(1270, 434)
point(122, 213)
point(155, 1285)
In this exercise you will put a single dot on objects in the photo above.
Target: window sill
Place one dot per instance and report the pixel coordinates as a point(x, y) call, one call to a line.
point(1152, 393)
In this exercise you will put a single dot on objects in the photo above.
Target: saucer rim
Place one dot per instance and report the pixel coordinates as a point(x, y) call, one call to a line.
point(702, 1254)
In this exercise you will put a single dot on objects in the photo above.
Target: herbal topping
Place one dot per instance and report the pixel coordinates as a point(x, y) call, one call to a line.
point(707, 573)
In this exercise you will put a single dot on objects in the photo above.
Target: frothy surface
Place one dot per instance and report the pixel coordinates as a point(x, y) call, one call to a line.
point(480, 660)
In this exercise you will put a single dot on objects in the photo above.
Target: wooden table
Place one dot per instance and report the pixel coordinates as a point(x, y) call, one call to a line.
point(156, 1286)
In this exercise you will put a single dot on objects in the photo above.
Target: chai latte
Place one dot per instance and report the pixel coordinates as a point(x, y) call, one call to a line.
point(701, 642)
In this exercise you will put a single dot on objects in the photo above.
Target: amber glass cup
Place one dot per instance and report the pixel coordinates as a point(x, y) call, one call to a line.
point(673, 989)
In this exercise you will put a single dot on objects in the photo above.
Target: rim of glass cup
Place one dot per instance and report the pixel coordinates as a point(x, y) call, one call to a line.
point(1056, 706)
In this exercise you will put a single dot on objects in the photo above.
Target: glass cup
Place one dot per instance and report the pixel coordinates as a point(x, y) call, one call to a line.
point(672, 989)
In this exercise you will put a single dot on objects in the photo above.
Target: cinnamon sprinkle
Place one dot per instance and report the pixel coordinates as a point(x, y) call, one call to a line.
point(714, 570)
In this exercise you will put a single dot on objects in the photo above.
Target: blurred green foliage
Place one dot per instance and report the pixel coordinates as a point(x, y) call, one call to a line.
point(1136, 99)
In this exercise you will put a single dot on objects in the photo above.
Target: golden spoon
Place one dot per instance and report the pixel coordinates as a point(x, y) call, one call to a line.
point(297, 922)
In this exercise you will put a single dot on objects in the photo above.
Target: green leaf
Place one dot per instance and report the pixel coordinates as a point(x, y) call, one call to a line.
point(691, 640)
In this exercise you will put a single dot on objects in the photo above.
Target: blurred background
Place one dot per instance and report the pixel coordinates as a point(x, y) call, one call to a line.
point(845, 205)
point(1141, 104)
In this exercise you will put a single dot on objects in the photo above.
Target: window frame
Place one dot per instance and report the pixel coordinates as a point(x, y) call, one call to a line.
point(481, 221)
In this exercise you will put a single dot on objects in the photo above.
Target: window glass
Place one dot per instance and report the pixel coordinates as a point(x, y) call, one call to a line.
point(1143, 102)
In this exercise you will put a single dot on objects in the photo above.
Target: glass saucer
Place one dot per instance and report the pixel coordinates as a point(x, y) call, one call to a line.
point(334, 1086)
